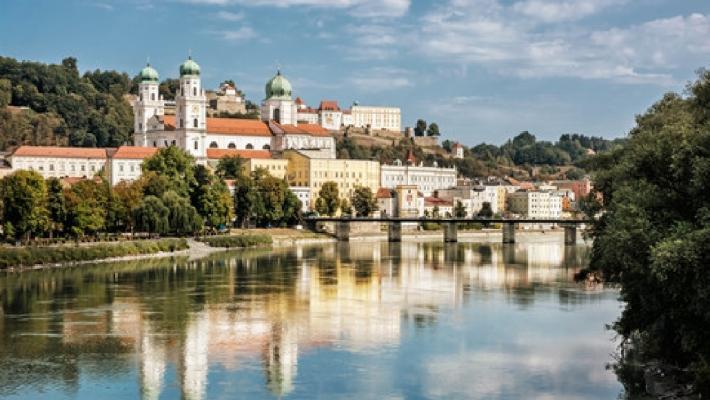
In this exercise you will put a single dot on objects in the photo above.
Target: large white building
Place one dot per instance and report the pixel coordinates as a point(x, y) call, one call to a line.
point(535, 204)
point(191, 129)
point(59, 162)
point(427, 179)
point(330, 116)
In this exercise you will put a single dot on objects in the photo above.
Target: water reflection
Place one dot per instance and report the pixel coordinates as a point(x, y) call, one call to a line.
point(366, 319)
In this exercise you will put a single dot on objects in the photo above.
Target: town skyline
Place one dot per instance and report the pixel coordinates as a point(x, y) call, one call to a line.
point(483, 70)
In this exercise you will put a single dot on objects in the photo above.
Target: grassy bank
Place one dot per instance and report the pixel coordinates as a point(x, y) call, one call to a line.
point(237, 241)
point(34, 255)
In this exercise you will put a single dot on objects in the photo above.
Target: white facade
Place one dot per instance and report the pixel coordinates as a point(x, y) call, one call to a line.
point(473, 197)
point(124, 170)
point(309, 116)
point(148, 104)
point(536, 204)
point(427, 179)
point(388, 118)
point(331, 119)
point(239, 142)
point(304, 194)
point(51, 163)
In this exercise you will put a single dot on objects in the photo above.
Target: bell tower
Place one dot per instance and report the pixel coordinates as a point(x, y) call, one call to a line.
point(191, 110)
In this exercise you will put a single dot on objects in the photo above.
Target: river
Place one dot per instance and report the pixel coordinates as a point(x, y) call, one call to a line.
point(365, 320)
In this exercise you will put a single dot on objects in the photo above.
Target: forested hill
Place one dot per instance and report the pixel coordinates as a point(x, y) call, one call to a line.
point(66, 108)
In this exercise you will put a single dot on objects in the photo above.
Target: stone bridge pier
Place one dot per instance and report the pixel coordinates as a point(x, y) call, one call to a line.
point(394, 231)
point(451, 232)
point(570, 234)
point(508, 232)
point(342, 231)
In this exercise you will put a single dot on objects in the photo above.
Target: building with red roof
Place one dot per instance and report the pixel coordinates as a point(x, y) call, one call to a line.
point(58, 162)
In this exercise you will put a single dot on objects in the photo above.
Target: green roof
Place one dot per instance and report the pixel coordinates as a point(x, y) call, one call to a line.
point(148, 74)
point(189, 67)
point(278, 88)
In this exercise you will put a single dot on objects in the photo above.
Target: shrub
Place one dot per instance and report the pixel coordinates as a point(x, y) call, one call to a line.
point(238, 241)
point(34, 255)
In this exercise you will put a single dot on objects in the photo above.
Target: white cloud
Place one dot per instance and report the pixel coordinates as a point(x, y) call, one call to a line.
point(558, 10)
point(484, 32)
point(381, 79)
point(230, 16)
point(239, 35)
point(357, 8)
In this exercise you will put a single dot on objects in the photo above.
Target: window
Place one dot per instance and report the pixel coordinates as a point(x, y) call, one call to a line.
point(140, 126)
point(197, 145)
point(51, 167)
point(232, 146)
point(194, 123)
point(133, 168)
point(155, 144)
point(172, 143)
point(213, 145)
point(181, 123)
point(93, 168)
point(152, 96)
point(266, 147)
point(194, 91)
point(250, 146)
point(141, 97)
point(83, 168)
point(120, 167)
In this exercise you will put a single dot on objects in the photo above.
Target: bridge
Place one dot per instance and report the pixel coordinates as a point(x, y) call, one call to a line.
point(450, 226)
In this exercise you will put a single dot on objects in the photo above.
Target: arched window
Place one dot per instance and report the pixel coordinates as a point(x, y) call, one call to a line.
point(152, 96)
point(213, 145)
point(194, 123)
point(277, 115)
point(232, 146)
point(250, 146)
point(197, 145)
point(172, 143)
point(266, 147)
point(194, 91)
point(141, 97)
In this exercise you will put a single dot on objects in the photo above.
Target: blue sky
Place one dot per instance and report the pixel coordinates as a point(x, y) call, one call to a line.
point(483, 69)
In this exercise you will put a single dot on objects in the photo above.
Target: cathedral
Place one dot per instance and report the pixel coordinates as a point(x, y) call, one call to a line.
point(191, 129)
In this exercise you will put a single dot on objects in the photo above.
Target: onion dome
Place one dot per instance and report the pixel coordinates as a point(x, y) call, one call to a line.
point(278, 88)
point(189, 67)
point(148, 74)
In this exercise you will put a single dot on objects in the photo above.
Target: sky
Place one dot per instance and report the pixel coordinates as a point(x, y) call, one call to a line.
point(483, 70)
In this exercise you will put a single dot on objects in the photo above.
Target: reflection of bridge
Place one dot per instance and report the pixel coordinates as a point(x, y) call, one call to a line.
point(450, 226)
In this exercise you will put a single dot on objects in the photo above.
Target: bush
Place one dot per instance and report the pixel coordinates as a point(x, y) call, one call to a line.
point(237, 241)
point(34, 255)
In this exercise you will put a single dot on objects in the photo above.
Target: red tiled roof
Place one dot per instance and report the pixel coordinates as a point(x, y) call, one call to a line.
point(303, 129)
point(65, 152)
point(308, 111)
point(383, 193)
point(298, 101)
point(329, 105)
point(230, 126)
point(216, 154)
point(134, 152)
point(435, 201)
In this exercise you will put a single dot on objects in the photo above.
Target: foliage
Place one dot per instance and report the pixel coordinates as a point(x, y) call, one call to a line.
point(346, 209)
point(229, 167)
point(124, 197)
point(24, 201)
point(151, 216)
point(87, 202)
point(174, 165)
point(486, 211)
point(28, 256)
point(265, 200)
point(65, 107)
point(654, 233)
point(237, 241)
point(459, 210)
point(328, 200)
point(363, 201)
point(433, 130)
point(420, 128)
point(56, 205)
point(183, 218)
point(211, 198)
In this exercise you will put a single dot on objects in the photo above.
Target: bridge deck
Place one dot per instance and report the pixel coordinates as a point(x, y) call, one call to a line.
point(452, 220)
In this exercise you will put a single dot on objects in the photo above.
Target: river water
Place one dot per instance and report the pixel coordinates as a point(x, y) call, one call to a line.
point(367, 320)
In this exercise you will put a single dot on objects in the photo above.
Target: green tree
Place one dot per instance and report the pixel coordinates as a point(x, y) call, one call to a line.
point(420, 128)
point(459, 210)
point(151, 216)
point(433, 130)
point(246, 200)
point(229, 167)
point(56, 205)
point(329, 199)
point(486, 211)
point(211, 198)
point(24, 201)
point(5, 92)
point(345, 208)
point(87, 202)
point(124, 197)
point(176, 165)
point(363, 201)
point(652, 236)
point(183, 218)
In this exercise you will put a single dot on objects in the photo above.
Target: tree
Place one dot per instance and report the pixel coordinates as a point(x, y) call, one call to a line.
point(87, 202)
point(24, 201)
point(329, 199)
point(5, 92)
point(435, 212)
point(346, 209)
point(174, 164)
point(246, 200)
point(124, 197)
point(229, 167)
point(420, 128)
point(459, 210)
point(151, 216)
point(56, 205)
point(486, 211)
point(183, 218)
point(653, 232)
point(433, 130)
point(363, 201)
point(211, 198)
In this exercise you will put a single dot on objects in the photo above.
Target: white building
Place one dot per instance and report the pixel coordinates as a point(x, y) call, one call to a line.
point(427, 179)
point(457, 150)
point(387, 118)
point(535, 204)
point(125, 164)
point(191, 129)
point(59, 162)
point(304, 194)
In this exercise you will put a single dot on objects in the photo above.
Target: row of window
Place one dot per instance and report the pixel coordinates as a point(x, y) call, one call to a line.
point(61, 167)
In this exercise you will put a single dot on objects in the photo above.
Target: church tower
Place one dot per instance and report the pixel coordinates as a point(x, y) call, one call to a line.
point(191, 110)
point(149, 103)
point(278, 106)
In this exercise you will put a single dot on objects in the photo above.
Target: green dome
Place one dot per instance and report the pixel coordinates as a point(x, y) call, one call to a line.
point(189, 67)
point(278, 88)
point(148, 74)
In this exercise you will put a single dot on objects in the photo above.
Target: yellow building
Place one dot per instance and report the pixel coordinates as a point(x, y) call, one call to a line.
point(306, 169)
point(252, 159)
